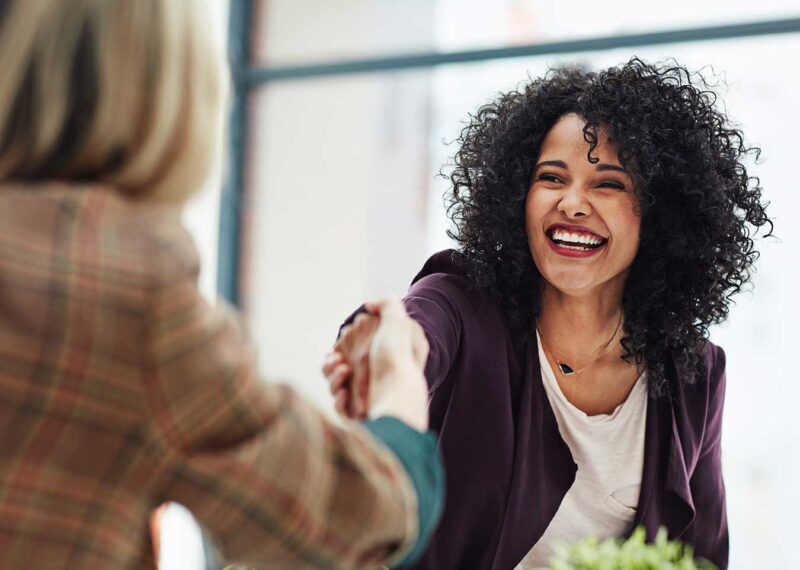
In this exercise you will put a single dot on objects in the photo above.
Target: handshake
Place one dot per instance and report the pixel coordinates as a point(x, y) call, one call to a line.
point(376, 366)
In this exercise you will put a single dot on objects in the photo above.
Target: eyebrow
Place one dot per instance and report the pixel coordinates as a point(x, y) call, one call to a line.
point(558, 163)
point(605, 167)
point(602, 167)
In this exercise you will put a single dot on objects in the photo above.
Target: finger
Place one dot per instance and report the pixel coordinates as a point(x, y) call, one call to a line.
point(344, 336)
point(339, 375)
point(360, 387)
point(358, 403)
point(341, 402)
point(385, 307)
point(341, 380)
point(344, 403)
point(363, 327)
point(352, 409)
point(360, 395)
point(360, 379)
point(330, 362)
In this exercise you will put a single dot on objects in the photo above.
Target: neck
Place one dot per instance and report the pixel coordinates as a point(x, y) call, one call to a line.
point(575, 326)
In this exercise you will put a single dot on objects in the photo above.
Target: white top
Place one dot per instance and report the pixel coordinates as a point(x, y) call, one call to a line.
point(609, 452)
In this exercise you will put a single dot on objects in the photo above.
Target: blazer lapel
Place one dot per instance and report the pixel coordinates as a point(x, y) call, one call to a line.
point(543, 469)
point(681, 511)
point(666, 497)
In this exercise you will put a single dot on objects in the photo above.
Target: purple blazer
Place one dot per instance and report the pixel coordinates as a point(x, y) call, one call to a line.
point(507, 467)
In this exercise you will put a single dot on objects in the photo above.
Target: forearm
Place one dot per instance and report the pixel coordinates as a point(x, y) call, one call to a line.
point(301, 489)
point(419, 455)
point(273, 480)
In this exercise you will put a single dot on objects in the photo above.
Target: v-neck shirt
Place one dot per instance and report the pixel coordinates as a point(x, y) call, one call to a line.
point(609, 452)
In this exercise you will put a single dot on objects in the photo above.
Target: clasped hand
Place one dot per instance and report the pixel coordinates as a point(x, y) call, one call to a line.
point(376, 366)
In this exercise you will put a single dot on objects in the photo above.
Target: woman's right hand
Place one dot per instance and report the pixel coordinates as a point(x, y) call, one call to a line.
point(397, 360)
point(377, 366)
point(347, 367)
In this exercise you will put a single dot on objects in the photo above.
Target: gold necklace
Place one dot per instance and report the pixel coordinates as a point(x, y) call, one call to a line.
point(565, 368)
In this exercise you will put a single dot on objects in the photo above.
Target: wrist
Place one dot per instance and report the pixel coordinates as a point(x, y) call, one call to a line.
point(402, 395)
point(415, 419)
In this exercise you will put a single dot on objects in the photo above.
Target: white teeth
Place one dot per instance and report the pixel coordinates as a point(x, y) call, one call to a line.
point(573, 237)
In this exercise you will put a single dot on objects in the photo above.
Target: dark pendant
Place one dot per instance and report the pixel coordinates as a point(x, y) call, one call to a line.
point(565, 369)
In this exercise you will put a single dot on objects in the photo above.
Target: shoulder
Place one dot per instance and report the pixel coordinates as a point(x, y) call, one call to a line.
point(147, 241)
point(715, 377)
point(443, 279)
point(702, 402)
point(697, 408)
point(713, 360)
point(77, 256)
point(710, 387)
point(154, 232)
point(445, 271)
point(97, 234)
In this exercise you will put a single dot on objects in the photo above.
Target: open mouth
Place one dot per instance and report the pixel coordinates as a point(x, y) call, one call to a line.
point(577, 241)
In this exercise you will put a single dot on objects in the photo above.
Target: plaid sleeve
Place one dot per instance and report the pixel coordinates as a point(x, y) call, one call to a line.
point(274, 482)
point(419, 455)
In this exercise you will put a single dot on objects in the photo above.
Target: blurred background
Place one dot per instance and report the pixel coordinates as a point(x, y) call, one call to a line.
point(329, 191)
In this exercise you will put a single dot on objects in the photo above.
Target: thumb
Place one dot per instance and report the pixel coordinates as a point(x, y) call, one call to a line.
point(386, 307)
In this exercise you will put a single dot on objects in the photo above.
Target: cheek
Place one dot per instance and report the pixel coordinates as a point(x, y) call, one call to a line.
point(534, 210)
point(627, 226)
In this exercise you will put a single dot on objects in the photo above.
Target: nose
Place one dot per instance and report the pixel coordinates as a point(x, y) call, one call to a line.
point(574, 202)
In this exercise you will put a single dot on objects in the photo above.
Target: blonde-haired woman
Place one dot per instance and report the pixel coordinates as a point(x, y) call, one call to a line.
point(120, 388)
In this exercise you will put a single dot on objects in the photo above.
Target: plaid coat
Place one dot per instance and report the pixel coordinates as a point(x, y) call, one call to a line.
point(120, 388)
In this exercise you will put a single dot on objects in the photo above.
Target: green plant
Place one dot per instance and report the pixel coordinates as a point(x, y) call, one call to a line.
point(630, 554)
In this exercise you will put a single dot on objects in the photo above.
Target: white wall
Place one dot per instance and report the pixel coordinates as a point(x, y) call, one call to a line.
point(337, 182)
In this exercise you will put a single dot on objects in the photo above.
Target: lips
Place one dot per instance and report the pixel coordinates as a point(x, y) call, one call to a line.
point(574, 241)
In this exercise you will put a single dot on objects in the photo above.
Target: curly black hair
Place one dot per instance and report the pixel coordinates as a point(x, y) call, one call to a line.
point(699, 207)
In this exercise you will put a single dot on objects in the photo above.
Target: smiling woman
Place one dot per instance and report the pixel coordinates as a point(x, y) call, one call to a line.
point(577, 208)
point(682, 161)
point(604, 221)
point(582, 207)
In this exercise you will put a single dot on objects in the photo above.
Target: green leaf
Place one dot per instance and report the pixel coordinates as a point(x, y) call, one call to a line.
point(631, 554)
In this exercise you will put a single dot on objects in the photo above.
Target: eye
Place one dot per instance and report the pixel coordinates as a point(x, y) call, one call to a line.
point(549, 178)
point(612, 184)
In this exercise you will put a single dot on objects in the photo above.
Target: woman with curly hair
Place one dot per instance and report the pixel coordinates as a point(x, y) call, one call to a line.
point(604, 222)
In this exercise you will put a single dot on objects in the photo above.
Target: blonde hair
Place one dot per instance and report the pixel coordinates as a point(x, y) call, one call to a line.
point(121, 92)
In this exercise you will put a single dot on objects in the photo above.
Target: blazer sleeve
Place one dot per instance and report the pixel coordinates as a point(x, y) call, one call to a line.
point(708, 488)
point(274, 482)
point(433, 302)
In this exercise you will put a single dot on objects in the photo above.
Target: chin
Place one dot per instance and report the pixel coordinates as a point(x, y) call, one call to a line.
point(573, 286)
point(572, 279)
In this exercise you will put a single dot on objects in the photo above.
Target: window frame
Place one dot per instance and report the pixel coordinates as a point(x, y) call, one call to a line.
point(247, 77)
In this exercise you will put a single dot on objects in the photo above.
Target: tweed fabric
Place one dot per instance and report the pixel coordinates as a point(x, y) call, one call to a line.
point(121, 388)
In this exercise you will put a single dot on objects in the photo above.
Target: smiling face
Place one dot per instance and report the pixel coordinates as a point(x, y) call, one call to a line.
point(581, 218)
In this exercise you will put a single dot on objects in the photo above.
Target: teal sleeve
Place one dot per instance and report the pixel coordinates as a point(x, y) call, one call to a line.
point(419, 455)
